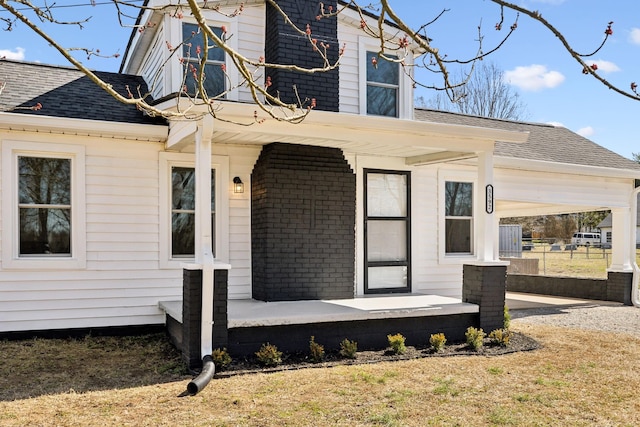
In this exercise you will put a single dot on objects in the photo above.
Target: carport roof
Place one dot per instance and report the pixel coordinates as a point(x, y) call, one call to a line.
point(546, 143)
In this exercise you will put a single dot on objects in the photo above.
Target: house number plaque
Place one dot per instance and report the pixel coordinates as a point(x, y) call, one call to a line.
point(489, 194)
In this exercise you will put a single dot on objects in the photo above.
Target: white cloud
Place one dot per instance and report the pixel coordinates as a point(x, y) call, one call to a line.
point(556, 124)
point(606, 66)
point(533, 77)
point(17, 54)
point(634, 36)
point(586, 131)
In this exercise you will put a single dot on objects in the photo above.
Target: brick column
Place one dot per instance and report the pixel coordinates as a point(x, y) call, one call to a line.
point(619, 287)
point(485, 285)
point(191, 314)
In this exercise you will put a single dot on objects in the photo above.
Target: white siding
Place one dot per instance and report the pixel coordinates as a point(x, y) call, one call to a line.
point(122, 282)
point(557, 192)
point(241, 161)
point(348, 71)
point(152, 69)
point(251, 41)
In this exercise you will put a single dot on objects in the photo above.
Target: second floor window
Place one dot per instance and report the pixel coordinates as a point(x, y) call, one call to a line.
point(383, 85)
point(214, 82)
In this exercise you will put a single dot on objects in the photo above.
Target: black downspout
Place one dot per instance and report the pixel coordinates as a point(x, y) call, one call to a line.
point(200, 382)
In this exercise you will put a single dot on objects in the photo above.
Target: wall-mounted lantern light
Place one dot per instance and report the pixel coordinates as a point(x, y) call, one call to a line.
point(238, 186)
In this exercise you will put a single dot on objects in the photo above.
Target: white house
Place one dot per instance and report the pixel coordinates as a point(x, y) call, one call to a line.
point(103, 207)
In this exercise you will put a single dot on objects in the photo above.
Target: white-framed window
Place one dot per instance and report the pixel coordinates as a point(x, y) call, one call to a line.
point(178, 196)
point(457, 190)
point(215, 82)
point(458, 213)
point(385, 89)
point(43, 206)
point(383, 86)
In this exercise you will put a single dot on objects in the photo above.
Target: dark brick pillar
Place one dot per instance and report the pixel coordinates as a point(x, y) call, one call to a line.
point(485, 285)
point(619, 287)
point(191, 314)
point(302, 224)
point(285, 46)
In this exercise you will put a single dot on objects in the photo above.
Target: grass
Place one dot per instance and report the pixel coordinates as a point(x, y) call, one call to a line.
point(577, 378)
point(578, 263)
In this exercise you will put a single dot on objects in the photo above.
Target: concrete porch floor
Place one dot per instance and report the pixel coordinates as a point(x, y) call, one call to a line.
point(252, 313)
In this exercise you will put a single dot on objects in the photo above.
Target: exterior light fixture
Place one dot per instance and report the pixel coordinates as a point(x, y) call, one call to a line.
point(238, 186)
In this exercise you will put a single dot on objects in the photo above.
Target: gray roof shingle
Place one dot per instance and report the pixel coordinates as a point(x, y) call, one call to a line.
point(67, 92)
point(546, 142)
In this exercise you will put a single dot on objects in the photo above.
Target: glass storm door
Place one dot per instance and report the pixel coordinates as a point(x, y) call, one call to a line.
point(387, 232)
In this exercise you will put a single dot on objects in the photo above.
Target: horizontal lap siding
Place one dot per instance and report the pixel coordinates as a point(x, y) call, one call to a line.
point(560, 189)
point(122, 282)
point(241, 161)
point(152, 69)
point(349, 77)
point(250, 41)
point(429, 275)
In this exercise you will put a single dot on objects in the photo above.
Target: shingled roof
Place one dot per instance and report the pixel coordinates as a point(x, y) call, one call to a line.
point(546, 143)
point(67, 92)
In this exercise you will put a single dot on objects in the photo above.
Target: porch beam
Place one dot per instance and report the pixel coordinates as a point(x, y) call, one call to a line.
point(181, 134)
point(441, 157)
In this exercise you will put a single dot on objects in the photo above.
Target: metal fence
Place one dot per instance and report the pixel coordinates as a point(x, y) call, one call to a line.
point(553, 257)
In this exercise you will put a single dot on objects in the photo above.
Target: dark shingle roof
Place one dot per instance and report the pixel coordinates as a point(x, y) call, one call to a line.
point(67, 92)
point(546, 142)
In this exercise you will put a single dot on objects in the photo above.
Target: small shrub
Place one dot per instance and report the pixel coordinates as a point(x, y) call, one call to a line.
point(396, 342)
point(474, 337)
point(348, 349)
point(437, 342)
point(316, 350)
point(500, 337)
point(221, 358)
point(507, 318)
point(268, 355)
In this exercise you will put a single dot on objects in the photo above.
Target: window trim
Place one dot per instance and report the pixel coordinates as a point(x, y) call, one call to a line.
point(176, 40)
point(11, 258)
point(220, 164)
point(443, 178)
point(405, 88)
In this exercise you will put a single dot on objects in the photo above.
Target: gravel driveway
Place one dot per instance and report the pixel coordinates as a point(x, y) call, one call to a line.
point(595, 315)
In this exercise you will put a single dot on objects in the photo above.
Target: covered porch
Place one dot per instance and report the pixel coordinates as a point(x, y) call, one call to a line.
point(242, 326)
point(290, 324)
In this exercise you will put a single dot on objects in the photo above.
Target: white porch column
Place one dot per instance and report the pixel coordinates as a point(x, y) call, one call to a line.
point(203, 241)
point(486, 219)
point(621, 239)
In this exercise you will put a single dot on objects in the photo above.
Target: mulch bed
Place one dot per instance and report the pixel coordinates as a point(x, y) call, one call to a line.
point(249, 365)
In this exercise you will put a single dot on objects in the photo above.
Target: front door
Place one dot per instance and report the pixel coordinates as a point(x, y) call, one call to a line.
point(387, 228)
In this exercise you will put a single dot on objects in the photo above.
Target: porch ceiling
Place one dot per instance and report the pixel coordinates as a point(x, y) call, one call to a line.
point(418, 142)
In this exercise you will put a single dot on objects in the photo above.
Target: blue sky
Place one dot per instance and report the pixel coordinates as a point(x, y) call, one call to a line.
point(549, 82)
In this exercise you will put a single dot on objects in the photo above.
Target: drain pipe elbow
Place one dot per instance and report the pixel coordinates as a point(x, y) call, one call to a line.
point(200, 382)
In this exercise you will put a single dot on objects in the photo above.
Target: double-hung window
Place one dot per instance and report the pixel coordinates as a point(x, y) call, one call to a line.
point(178, 201)
point(192, 50)
point(458, 217)
point(383, 86)
point(183, 211)
point(43, 206)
